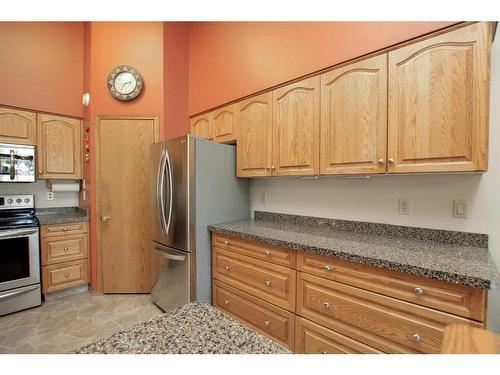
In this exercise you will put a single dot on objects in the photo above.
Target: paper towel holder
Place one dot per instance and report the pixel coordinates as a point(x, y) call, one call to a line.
point(50, 182)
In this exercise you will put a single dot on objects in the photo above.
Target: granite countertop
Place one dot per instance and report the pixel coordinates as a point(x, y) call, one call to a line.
point(60, 215)
point(195, 328)
point(456, 257)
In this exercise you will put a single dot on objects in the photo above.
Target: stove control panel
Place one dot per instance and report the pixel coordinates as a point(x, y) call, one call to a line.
point(17, 201)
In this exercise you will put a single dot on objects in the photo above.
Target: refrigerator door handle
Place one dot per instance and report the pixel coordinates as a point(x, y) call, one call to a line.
point(169, 253)
point(160, 187)
point(168, 166)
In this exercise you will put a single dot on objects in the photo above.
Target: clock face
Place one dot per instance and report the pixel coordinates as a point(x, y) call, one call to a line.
point(125, 82)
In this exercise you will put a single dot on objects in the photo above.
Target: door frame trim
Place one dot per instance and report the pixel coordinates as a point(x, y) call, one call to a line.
point(99, 287)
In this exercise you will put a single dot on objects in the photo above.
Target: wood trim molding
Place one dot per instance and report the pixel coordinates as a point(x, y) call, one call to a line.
point(97, 226)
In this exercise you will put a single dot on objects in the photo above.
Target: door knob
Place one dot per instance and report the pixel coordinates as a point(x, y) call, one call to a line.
point(106, 218)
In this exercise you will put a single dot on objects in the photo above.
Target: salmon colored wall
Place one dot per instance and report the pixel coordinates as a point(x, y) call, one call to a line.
point(139, 44)
point(176, 78)
point(229, 60)
point(41, 66)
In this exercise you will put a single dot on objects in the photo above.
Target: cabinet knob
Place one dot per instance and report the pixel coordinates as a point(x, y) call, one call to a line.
point(415, 337)
point(66, 249)
point(106, 218)
point(227, 267)
point(390, 160)
point(226, 302)
point(327, 268)
point(226, 242)
point(266, 323)
point(418, 291)
point(268, 167)
point(66, 275)
point(40, 172)
point(65, 229)
point(273, 167)
point(268, 283)
point(323, 352)
point(381, 161)
point(268, 252)
point(326, 304)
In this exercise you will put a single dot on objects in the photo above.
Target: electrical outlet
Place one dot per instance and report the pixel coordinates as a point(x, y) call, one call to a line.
point(459, 208)
point(50, 195)
point(404, 206)
point(263, 198)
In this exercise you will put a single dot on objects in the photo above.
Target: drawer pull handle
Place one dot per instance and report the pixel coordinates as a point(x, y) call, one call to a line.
point(66, 275)
point(266, 323)
point(226, 302)
point(66, 249)
point(326, 304)
point(268, 252)
point(327, 268)
point(418, 291)
point(227, 267)
point(268, 283)
point(65, 229)
point(416, 337)
point(226, 242)
point(324, 352)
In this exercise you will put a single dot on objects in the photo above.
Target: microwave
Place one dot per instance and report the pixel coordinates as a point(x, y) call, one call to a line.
point(17, 163)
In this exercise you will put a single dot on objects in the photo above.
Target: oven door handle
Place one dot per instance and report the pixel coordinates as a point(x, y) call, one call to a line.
point(18, 292)
point(16, 233)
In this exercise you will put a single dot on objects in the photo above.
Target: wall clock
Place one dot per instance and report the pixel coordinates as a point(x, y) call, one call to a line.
point(125, 82)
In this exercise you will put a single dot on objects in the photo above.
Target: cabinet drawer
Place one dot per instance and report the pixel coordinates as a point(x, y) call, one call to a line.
point(64, 275)
point(264, 317)
point(382, 322)
point(456, 299)
point(67, 228)
point(272, 283)
point(311, 338)
point(255, 249)
point(64, 248)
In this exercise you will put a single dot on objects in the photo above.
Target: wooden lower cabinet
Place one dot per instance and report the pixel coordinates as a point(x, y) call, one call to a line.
point(266, 318)
point(311, 338)
point(320, 304)
point(385, 323)
point(64, 256)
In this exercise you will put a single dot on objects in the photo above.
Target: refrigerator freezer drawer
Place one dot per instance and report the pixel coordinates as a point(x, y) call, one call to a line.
point(172, 277)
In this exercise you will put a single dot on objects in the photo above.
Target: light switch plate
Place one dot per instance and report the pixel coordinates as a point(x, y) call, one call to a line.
point(50, 196)
point(459, 208)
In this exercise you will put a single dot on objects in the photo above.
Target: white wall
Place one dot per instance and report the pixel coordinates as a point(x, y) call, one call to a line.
point(376, 200)
point(39, 188)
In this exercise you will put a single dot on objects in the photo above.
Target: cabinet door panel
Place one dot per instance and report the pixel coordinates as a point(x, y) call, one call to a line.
point(203, 126)
point(59, 147)
point(296, 110)
point(17, 126)
point(254, 136)
point(225, 123)
point(438, 103)
point(354, 118)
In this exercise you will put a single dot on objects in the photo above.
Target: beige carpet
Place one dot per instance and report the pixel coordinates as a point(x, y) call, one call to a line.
point(66, 324)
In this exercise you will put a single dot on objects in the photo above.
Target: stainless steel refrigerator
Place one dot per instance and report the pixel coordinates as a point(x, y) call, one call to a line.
point(194, 184)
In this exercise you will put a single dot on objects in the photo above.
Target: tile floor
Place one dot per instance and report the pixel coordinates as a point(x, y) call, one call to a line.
point(63, 325)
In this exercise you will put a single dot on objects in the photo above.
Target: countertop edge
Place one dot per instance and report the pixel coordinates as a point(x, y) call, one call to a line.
point(380, 263)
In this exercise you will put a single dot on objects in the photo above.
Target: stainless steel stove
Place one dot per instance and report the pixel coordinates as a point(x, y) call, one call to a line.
point(19, 254)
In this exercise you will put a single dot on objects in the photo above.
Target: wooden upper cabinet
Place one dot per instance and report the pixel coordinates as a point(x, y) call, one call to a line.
point(254, 143)
point(203, 126)
point(59, 147)
point(354, 118)
point(17, 126)
point(225, 123)
point(296, 116)
point(439, 103)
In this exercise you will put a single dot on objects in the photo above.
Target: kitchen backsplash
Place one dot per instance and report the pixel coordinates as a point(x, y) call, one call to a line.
point(39, 188)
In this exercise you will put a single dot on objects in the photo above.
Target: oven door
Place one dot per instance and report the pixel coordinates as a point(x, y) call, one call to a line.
point(17, 163)
point(19, 258)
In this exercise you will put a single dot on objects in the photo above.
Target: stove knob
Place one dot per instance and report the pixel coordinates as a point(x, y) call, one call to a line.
point(19, 200)
point(26, 200)
point(10, 200)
